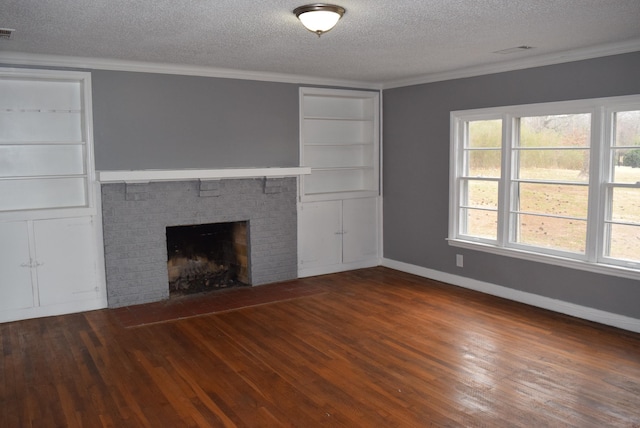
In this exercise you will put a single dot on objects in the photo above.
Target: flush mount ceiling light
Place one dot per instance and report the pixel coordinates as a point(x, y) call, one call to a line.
point(319, 17)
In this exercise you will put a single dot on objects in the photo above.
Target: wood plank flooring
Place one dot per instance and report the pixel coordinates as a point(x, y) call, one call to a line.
point(374, 348)
point(224, 300)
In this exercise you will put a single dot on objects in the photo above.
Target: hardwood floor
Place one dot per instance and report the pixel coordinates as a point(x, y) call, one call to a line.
point(375, 348)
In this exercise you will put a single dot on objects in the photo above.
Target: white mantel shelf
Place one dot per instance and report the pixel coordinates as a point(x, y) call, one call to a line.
point(147, 175)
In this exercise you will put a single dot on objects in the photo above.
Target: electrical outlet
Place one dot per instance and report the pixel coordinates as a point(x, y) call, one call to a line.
point(459, 260)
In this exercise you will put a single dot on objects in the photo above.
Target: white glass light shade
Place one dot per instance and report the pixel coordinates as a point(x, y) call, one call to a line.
point(319, 18)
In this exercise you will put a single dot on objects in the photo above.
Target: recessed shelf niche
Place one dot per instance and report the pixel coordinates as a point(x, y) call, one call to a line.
point(339, 140)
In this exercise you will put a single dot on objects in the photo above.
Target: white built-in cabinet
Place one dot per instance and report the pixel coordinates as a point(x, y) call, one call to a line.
point(339, 209)
point(52, 263)
point(50, 234)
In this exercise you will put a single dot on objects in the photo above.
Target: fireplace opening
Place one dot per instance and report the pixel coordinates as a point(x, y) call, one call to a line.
point(207, 257)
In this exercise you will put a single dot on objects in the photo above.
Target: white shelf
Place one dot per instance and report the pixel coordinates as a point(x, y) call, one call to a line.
point(335, 132)
point(338, 180)
point(43, 193)
point(344, 105)
point(42, 143)
point(341, 168)
point(195, 174)
point(41, 177)
point(339, 145)
point(37, 126)
point(351, 155)
point(39, 110)
point(30, 160)
point(338, 118)
point(334, 196)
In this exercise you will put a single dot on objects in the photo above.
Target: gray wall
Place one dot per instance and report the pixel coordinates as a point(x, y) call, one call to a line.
point(416, 175)
point(159, 121)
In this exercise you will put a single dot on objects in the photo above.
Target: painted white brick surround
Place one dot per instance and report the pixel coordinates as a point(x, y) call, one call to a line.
point(135, 217)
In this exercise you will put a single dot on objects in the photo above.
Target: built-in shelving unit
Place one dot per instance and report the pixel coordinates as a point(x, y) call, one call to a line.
point(339, 142)
point(43, 143)
point(50, 233)
point(338, 214)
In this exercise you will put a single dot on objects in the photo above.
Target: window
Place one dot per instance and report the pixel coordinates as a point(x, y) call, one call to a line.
point(481, 178)
point(622, 187)
point(549, 188)
point(555, 182)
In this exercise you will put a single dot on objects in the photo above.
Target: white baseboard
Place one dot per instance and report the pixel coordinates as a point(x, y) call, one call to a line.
point(583, 312)
point(324, 270)
point(53, 310)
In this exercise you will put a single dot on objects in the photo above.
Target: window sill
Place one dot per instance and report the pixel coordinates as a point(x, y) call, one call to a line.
point(600, 268)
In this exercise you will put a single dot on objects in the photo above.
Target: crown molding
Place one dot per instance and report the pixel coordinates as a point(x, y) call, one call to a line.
point(628, 46)
point(84, 63)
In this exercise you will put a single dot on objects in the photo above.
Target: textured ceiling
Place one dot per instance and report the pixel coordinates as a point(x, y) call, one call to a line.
point(377, 41)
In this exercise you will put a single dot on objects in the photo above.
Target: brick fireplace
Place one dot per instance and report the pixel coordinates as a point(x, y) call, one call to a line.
point(136, 216)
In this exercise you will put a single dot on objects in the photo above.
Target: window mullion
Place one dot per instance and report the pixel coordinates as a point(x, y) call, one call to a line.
point(457, 170)
point(504, 186)
point(463, 185)
point(601, 133)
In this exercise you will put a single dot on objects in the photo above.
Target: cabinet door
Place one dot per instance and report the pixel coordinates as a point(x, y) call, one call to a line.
point(360, 229)
point(320, 234)
point(66, 260)
point(16, 289)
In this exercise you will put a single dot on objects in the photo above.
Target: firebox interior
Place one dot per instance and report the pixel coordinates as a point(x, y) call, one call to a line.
point(207, 257)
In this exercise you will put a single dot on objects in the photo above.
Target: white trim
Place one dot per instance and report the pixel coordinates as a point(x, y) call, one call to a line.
point(27, 59)
point(341, 267)
point(147, 175)
point(583, 312)
point(32, 73)
point(101, 270)
point(59, 309)
point(585, 105)
point(520, 64)
point(39, 60)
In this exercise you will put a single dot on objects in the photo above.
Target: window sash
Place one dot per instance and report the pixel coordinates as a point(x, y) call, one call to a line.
point(610, 184)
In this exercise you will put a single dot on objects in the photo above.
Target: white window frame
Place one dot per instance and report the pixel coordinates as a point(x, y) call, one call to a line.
point(602, 134)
